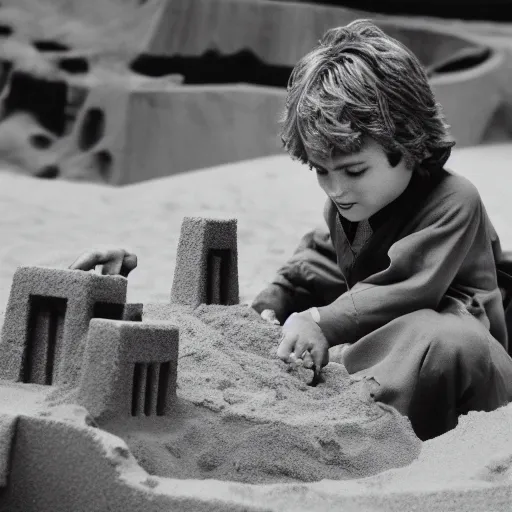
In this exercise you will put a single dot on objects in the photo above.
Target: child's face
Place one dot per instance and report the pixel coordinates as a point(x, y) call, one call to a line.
point(362, 183)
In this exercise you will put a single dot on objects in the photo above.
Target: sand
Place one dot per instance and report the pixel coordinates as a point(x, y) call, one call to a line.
point(50, 223)
point(269, 425)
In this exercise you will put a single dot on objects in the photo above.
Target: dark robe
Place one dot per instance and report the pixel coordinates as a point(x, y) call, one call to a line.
point(414, 293)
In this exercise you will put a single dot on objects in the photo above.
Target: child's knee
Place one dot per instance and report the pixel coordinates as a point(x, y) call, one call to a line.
point(461, 341)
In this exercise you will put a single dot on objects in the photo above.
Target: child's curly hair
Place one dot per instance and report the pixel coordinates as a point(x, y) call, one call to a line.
point(360, 82)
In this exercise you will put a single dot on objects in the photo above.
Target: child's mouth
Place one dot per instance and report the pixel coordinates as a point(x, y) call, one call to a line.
point(346, 206)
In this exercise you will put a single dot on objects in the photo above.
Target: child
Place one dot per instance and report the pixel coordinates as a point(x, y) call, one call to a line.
point(405, 275)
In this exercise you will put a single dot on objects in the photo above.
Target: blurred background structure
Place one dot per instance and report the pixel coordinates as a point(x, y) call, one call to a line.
point(493, 10)
point(121, 91)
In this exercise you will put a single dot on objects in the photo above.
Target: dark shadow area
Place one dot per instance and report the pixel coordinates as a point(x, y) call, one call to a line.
point(92, 130)
point(163, 386)
point(48, 172)
point(40, 141)
point(74, 65)
point(133, 312)
point(109, 310)
point(44, 338)
point(44, 99)
point(317, 379)
point(104, 160)
point(492, 10)
point(464, 63)
point(6, 30)
point(47, 45)
point(218, 272)
point(214, 68)
point(5, 71)
point(149, 388)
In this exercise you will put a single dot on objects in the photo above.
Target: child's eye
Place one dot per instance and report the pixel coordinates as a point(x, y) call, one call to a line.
point(356, 172)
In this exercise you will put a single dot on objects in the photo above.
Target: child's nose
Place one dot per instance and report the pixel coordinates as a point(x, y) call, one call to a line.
point(337, 188)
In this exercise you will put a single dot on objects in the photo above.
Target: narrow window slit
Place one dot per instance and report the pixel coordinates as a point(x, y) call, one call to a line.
point(148, 399)
point(218, 276)
point(163, 384)
point(44, 339)
point(53, 334)
point(139, 380)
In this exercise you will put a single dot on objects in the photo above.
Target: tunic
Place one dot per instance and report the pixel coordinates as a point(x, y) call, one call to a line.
point(413, 292)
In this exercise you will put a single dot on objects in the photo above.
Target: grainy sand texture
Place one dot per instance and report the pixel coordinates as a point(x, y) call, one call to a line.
point(268, 425)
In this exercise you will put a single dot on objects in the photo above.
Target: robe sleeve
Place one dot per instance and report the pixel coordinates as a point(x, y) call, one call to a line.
point(311, 277)
point(422, 266)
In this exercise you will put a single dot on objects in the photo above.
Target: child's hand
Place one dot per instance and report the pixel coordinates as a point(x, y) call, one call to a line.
point(114, 261)
point(270, 316)
point(303, 340)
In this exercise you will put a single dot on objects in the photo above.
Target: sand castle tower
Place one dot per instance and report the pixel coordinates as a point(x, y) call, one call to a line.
point(206, 269)
point(47, 320)
point(130, 369)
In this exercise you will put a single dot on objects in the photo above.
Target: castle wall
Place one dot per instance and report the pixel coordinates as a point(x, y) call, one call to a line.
point(47, 319)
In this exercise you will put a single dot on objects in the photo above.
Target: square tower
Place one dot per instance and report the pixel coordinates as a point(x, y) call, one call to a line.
point(47, 319)
point(130, 369)
point(206, 269)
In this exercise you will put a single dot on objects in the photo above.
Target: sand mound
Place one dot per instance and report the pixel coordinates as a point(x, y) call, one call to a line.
point(244, 415)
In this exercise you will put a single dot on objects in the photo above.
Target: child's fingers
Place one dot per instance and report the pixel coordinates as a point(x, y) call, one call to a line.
point(129, 264)
point(120, 263)
point(287, 347)
point(114, 261)
point(112, 267)
point(86, 261)
point(270, 316)
point(320, 356)
point(307, 360)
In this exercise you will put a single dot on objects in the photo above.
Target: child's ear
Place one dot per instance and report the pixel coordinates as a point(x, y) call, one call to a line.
point(394, 158)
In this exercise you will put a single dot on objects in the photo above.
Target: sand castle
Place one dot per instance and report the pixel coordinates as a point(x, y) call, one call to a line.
point(127, 113)
point(75, 356)
point(74, 328)
point(54, 457)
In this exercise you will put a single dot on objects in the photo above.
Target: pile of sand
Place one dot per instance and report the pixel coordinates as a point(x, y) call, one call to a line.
point(256, 419)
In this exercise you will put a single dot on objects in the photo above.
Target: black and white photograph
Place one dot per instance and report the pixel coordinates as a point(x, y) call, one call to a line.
point(255, 256)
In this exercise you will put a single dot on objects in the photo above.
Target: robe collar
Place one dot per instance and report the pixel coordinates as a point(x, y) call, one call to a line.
point(418, 187)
